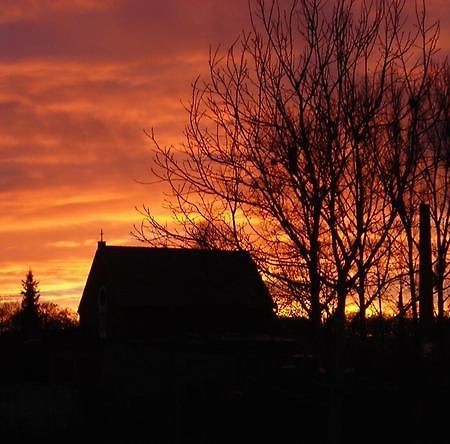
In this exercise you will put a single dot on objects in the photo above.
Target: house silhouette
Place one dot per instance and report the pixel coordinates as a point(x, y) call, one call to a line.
point(143, 292)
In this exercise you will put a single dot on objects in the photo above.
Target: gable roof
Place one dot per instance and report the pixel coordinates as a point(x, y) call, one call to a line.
point(177, 278)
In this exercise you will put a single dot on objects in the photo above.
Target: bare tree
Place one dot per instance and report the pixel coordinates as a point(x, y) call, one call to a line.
point(410, 120)
point(300, 148)
point(436, 177)
point(303, 147)
point(8, 311)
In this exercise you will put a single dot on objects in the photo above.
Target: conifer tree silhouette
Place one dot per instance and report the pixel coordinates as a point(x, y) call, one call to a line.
point(30, 297)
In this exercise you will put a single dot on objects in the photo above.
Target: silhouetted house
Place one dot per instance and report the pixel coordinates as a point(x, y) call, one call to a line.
point(134, 292)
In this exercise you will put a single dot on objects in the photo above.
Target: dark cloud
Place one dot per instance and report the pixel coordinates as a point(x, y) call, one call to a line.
point(124, 30)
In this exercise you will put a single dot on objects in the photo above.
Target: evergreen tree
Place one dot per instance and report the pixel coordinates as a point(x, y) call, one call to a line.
point(30, 293)
point(29, 318)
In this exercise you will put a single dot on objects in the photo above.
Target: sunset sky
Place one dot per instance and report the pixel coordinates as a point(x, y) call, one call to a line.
point(79, 82)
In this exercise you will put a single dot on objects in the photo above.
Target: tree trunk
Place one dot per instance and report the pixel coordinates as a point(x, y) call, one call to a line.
point(316, 312)
point(412, 282)
point(401, 312)
point(362, 303)
point(337, 378)
point(440, 271)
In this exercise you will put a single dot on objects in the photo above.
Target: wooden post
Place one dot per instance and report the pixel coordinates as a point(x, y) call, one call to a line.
point(425, 275)
point(425, 325)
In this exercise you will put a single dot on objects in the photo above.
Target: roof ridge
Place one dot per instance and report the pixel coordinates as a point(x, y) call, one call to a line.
point(203, 250)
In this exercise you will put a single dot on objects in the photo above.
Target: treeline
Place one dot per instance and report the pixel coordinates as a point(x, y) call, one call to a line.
point(311, 144)
point(52, 318)
point(31, 319)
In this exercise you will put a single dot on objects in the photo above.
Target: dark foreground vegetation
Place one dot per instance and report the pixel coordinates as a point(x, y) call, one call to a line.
point(67, 388)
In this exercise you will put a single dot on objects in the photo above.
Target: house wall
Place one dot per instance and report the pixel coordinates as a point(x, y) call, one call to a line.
point(144, 322)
